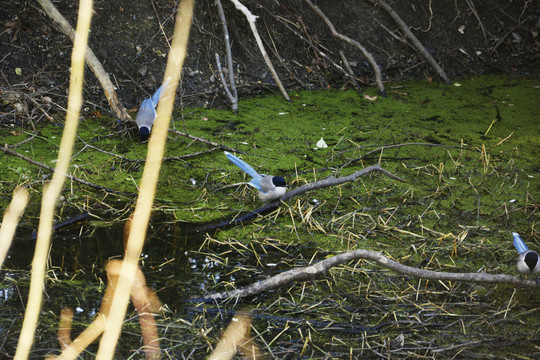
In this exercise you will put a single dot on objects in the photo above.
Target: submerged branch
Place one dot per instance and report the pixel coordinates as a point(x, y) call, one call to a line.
point(323, 266)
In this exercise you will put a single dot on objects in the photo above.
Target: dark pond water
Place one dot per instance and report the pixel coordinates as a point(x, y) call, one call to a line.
point(368, 312)
point(178, 262)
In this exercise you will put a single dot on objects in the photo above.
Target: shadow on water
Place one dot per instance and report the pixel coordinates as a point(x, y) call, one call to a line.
point(174, 261)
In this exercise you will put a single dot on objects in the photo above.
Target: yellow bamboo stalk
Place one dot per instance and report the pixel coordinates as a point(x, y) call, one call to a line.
point(52, 191)
point(156, 149)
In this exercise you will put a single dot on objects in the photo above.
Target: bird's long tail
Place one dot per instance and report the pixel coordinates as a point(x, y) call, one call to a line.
point(159, 92)
point(242, 165)
point(520, 245)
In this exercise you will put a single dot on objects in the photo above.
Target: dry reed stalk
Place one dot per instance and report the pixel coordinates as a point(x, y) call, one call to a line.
point(156, 149)
point(10, 221)
point(145, 302)
point(52, 190)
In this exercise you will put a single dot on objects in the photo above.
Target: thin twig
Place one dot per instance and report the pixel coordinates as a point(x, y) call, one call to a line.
point(204, 141)
point(71, 177)
point(317, 51)
point(382, 148)
point(179, 157)
point(473, 9)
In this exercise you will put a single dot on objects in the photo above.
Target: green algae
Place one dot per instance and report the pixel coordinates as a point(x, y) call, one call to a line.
point(486, 177)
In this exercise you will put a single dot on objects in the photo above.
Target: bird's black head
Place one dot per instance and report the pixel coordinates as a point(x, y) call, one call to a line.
point(278, 181)
point(531, 259)
point(144, 133)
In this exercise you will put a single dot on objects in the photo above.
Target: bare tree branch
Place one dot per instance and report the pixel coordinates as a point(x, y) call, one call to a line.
point(232, 93)
point(417, 45)
point(251, 20)
point(356, 44)
point(90, 59)
point(323, 266)
point(330, 181)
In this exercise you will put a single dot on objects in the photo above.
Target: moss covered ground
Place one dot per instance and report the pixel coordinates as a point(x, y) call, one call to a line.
point(469, 155)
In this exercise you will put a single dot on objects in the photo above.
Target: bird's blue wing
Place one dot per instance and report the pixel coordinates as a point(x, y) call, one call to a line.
point(256, 181)
point(146, 114)
point(520, 245)
point(159, 92)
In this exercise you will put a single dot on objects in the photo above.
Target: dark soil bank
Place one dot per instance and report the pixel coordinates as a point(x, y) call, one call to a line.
point(131, 39)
